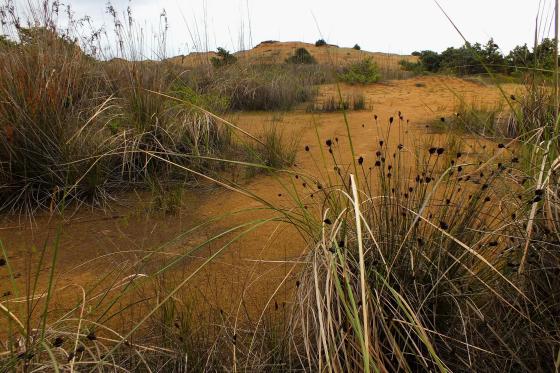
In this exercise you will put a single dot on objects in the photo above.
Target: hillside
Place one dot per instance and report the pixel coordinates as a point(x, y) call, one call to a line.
point(275, 52)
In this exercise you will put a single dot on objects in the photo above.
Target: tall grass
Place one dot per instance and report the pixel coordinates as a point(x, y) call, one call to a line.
point(77, 130)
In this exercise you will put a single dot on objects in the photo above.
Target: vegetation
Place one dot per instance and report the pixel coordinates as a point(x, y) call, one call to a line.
point(301, 57)
point(363, 72)
point(320, 43)
point(435, 256)
point(335, 104)
point(224, 58)
point(476, 59)
point(77, 130)
point(357, 47)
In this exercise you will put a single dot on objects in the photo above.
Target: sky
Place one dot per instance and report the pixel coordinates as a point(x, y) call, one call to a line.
point(395, 26)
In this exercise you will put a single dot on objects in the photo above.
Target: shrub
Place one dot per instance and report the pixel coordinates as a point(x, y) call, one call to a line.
point(363, 72)
point(301, 57)
point(224, 58)
point(320, 43)
point(357, 47)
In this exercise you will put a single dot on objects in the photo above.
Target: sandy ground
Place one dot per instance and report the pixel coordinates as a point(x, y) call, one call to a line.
point(249, 271)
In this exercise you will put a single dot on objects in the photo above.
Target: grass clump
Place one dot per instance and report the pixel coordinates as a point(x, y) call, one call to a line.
point(53, 111)
point(334, 104)
point(414, 269)
point(485, 121)
point(256, 87)
point(363, 72)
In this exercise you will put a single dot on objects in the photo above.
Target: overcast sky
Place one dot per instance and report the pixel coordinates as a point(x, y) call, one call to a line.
point(397, 26)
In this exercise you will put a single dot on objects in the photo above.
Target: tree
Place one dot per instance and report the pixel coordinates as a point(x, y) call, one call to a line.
point(520, 56)
point(301, 57)
point(430, 61)
point(492, 57)
point(357, 47)
point(320, 43)
point(224, 58)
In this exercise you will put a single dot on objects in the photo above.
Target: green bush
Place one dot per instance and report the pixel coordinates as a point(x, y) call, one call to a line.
point(301, 57)
point(363, 72)
point(357, 47)
point(476, 58)
point(320, 43)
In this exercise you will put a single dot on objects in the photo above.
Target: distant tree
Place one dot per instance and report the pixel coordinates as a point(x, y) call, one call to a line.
point(357, 47)
point(320, 43)
point(301, 57)
point(492, 57)
point(543, 54)
point(520, 56)
point(430, 60)
point(224, 58)
point(416, 54)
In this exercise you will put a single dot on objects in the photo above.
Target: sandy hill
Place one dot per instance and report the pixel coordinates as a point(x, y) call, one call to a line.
point(275, 52)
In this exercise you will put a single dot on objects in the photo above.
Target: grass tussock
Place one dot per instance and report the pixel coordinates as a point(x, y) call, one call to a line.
point(333, 104)
point(414, 269)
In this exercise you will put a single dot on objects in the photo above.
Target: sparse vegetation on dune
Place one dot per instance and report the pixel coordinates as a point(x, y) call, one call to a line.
point(432, 252)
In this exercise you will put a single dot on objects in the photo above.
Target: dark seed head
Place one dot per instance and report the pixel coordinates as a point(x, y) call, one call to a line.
point(58, 341)
point(361, 160)
point(440, 151)
point(329, 142)
point(432, 150)
point(443, 225)
point(391, 120)
point(306, 148)
point(539, 192)
point(501, 146)
point(91, 336)
point(459, 155)
point(327, 221)
point(2, 262)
